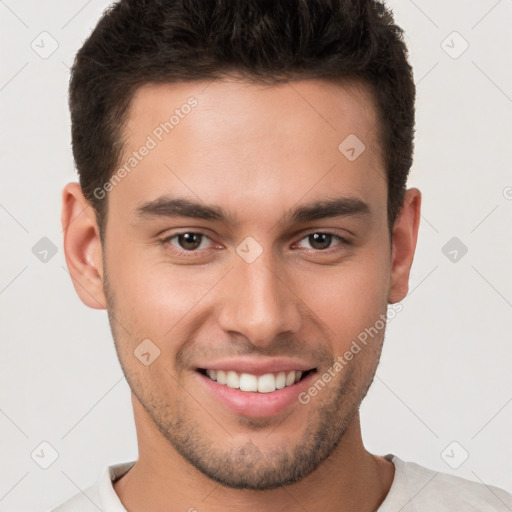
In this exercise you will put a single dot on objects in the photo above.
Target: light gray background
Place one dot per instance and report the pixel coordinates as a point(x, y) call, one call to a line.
point(445, 372)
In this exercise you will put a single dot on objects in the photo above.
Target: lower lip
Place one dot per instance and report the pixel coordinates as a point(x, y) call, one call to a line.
point(253, 404)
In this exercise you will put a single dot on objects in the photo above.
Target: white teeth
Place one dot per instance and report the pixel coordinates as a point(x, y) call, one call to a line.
point(232, 380)
point(281, 380)
point(221, 377)
point(251, 383)
point(248, 382)
point(266, 383)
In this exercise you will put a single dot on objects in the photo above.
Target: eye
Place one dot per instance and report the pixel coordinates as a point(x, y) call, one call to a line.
point(321, 241)
point(186, 242)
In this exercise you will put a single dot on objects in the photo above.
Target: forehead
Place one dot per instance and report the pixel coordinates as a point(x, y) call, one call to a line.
point(318, 105)
point(243, 143)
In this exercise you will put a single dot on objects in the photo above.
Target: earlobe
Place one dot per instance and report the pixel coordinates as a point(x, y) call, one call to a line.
point(405, 235)
point(82, 246)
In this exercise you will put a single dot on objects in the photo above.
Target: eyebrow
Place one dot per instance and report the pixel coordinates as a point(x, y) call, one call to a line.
point(168, 207)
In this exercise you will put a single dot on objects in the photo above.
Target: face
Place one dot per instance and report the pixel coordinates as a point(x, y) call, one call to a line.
point(244, 249)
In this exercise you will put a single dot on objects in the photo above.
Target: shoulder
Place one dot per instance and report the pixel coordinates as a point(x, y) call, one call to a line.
point(417, 488)
point(100, 496)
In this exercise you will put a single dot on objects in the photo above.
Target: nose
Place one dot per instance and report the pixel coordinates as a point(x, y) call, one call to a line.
point(257, 302)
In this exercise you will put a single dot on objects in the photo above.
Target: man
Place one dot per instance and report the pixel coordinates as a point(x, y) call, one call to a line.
point(242, 214)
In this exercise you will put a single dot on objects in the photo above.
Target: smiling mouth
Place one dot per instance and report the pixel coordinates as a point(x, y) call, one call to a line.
point(250, 383)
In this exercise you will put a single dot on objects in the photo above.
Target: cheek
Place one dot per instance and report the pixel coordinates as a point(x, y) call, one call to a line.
point(156, 296)
point(347, 298)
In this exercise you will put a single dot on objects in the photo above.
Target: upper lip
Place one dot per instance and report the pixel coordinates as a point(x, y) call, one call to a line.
point(258, 366)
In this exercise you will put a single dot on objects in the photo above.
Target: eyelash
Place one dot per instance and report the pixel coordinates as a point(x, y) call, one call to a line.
point(193, 253)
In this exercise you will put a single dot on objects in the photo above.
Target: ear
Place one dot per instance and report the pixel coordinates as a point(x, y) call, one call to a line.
point(82, 246)
point(405, 235)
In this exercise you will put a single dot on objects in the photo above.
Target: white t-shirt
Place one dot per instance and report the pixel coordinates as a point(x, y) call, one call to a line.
point(414, 489)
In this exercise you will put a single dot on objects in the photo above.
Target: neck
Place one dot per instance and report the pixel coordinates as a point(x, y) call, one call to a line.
point(349, 479)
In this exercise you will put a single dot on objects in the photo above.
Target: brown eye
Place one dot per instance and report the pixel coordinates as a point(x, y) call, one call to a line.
point(324, 242)
point(320, 241)
point(189, 241)
point(192, 246)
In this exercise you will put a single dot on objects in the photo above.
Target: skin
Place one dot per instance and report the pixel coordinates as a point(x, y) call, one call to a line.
point(257, 152)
